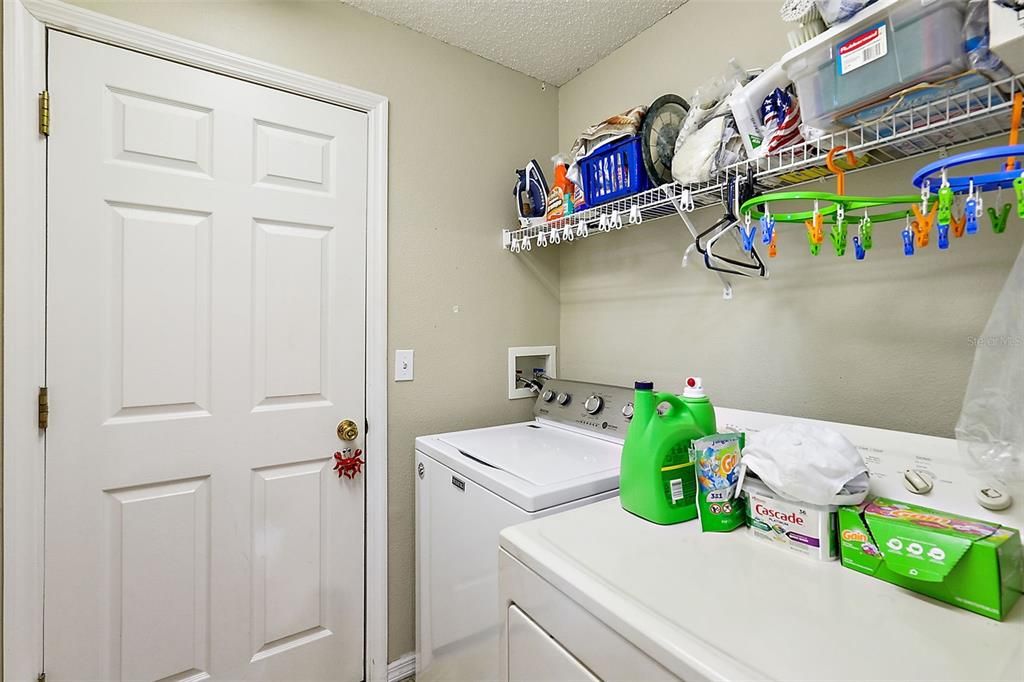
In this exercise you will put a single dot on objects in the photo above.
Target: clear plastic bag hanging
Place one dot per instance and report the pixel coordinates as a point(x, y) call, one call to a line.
point(990, 430)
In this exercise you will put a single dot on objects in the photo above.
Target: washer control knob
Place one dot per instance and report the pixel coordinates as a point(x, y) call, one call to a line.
point(548, 395)
point(564, 399)
point(917, 481)
point(627, 411)
point(593, 404)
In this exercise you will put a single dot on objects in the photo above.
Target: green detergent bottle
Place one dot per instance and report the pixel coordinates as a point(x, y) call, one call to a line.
point(657, 480)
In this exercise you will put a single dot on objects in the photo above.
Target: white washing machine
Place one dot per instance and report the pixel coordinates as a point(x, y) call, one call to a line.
point(471, 484)
point(600, 594)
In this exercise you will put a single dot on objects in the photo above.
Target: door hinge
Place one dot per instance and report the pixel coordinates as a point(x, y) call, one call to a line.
point(44, 112)
point(41, 678)
point(44, 407)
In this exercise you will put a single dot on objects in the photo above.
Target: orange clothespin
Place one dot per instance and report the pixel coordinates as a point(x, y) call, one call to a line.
point(923, 223)
point(772, 249)
point(815, 233)
point(958, 225)
point(839, 172)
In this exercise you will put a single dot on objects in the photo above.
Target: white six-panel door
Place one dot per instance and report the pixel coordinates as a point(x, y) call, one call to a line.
point(205, 334)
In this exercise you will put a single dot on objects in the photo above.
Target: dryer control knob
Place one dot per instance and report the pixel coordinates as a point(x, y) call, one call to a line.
point(564, 399)
point(993, 497)
point(548, 395)
point(627, 410)
point(917, 481)
point(593, 404)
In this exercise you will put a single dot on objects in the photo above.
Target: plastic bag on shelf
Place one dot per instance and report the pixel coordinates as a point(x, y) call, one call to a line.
point(837, 11)
point(730, 146)
point(990, 430)
point(700, 136)
point(976, 42)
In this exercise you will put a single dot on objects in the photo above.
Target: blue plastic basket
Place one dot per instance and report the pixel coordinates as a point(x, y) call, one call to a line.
point(613, 171)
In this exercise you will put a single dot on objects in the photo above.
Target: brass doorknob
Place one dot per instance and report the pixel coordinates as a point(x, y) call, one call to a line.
point(347, 430)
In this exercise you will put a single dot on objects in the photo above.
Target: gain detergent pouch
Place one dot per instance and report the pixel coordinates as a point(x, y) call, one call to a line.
point(717, 460)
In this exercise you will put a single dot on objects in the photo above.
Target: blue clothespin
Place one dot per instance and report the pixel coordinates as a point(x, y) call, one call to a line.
point(767, 228)
point(858, 250)
point(908, 241)
point(971, 213)
point(943, 236)
point(748, 232)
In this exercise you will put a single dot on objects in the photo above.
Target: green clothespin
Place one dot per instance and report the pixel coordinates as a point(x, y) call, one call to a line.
point(1018, 188)
point(865, 232)
point(946, 203)
point(838, 235)
point(999, 219)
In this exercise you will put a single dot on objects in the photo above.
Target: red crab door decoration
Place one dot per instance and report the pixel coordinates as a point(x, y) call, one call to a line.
point(348, 466)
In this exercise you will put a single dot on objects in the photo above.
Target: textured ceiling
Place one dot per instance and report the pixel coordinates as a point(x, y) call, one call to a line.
point(551, 40)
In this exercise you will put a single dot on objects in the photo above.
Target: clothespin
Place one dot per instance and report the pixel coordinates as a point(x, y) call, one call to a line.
point(943, 236)
point(767, 227)
point(567, 233)
point(772, 249)
point(634, 215)
point(815, 233)
point(972, 208)
point(542, 238)
point(527, 244)
point(581, 229)
point(1018, 189)
point(866, 230)
point(923, 224)
point(838, 232)
point(908, 239)
point(999, 219)
point(602, 223)
point(858, 250)
point(958, 224)
point(615, 220)
point(945, 202)
point(748, 232)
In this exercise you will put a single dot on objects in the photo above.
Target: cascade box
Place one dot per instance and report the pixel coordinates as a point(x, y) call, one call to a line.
point(969, 563)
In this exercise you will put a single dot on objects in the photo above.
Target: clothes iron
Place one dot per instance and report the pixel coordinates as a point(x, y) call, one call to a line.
point(531, 192)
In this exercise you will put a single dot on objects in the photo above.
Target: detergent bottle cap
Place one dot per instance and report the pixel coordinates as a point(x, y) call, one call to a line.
point(643, 385)
point(694, 388)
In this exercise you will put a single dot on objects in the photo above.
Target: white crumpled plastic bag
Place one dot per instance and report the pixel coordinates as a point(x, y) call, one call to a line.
point(990, 430)
point(807, 463)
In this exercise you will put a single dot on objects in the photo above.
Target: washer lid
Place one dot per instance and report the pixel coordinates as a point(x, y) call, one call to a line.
point(537, 453)
point(533, 465)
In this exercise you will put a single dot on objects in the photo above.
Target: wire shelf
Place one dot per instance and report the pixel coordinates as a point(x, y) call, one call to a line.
point(955, 120)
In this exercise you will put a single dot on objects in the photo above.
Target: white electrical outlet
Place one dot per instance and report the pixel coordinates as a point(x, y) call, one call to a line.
point(404, 365)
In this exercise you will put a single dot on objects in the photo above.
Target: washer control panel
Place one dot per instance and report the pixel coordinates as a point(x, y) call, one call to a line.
point(596, 407)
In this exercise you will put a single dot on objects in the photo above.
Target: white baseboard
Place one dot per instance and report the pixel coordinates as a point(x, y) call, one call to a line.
point(402, 668)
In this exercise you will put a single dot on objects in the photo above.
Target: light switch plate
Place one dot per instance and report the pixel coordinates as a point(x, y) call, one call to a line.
point(404, 365)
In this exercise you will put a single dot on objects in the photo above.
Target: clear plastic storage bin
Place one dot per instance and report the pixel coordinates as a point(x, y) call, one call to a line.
point(888, 47)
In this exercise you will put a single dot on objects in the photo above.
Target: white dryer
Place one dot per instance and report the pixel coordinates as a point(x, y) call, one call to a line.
point(600, 594)
point(472, 484)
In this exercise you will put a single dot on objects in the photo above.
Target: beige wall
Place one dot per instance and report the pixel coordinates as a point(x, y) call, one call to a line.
point(459, 126)
point(881, 342)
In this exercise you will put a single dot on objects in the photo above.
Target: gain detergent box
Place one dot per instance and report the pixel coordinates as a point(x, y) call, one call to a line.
point(973, 564)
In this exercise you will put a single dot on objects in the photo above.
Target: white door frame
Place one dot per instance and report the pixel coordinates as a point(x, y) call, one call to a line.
point(24, 314)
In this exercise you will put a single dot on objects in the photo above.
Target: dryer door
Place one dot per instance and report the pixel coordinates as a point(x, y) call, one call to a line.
point(534, 655)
